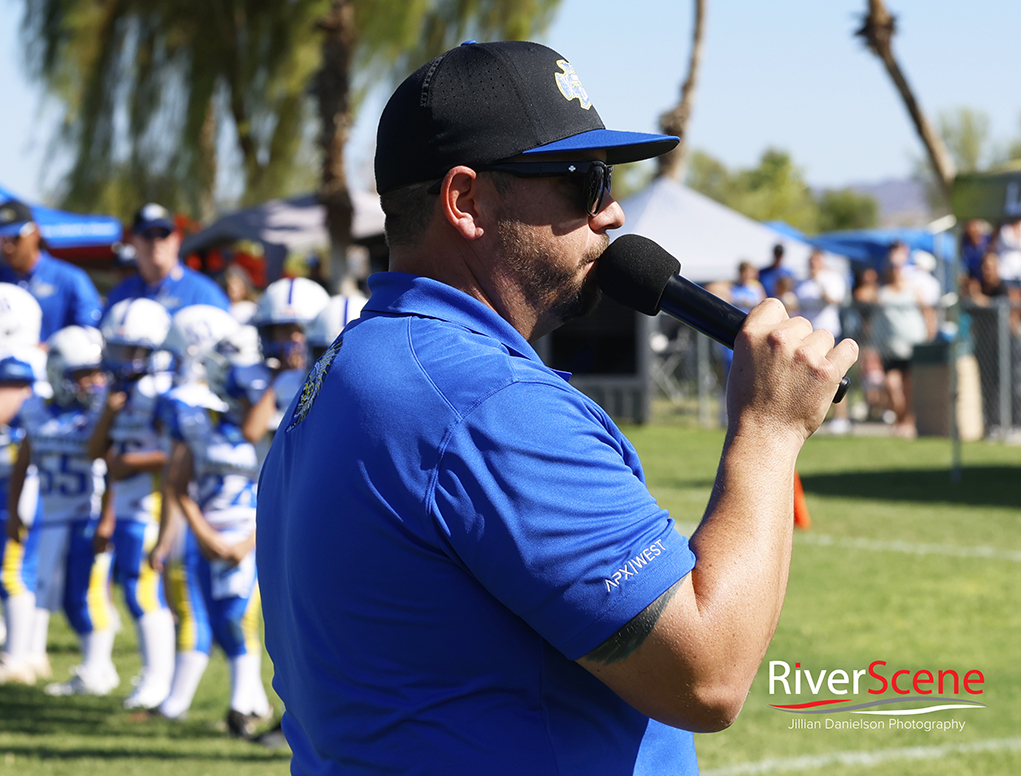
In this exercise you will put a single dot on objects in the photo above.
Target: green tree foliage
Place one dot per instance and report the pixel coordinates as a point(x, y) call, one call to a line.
point(775, 190)
point(846, 209)
point(967, 136)
point(148, 87)
point(151, 88)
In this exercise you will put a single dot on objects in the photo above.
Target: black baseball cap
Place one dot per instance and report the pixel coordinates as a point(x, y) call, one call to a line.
point(482, 103)
point(14, 216)
point(152, 215)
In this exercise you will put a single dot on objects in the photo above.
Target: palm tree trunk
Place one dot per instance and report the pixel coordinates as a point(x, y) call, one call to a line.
point(207, 165)
point(332, 87)
point(878, 30)
point(675, 122)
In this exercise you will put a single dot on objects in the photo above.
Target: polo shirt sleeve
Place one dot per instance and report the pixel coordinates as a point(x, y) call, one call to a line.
point(206, 291)
point(544, 502)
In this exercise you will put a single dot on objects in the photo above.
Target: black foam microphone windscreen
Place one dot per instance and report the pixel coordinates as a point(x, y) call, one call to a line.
point(638, 273)
point(634, 271)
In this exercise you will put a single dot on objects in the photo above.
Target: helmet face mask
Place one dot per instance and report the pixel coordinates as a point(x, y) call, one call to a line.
point(228, 363)
point(132, 330)
point(286, 309)
point(284, 345)
point(74, 367)
point(193, 331)
point(125, 362)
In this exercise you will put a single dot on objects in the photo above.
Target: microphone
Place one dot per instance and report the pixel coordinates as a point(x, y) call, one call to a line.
point(638, 273)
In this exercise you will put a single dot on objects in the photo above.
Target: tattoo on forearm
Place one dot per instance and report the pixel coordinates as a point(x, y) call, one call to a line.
point(629, 638)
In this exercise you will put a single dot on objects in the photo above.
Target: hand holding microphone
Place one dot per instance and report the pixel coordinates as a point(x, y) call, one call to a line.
point(638, 273)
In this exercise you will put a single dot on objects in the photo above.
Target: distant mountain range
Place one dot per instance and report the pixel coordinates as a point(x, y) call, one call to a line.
point(902, 202)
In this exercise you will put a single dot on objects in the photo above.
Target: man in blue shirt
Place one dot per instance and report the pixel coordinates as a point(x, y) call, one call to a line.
point(769, 276)
point(462, 568)
point(161, 276)
point(65, 292)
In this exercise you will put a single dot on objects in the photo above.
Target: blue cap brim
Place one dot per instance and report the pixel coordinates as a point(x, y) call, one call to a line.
point(621, 147)
point(14, 229)
point(158, 223)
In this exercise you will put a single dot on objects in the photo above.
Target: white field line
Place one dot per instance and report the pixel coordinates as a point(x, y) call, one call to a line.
point(912, 548)
point(818, 762)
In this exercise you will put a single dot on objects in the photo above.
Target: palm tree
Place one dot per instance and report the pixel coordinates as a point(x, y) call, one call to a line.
point(878, 28)
point(152, 88)
point(392, 37)
point(675, 122)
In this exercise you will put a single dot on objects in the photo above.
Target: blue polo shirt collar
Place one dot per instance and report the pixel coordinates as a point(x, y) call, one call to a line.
point(398, 293)
point(173, 276)
point(40, 264)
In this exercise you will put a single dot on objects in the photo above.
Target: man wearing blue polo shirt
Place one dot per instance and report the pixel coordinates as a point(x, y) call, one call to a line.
point(65, 292)
point(161, 276)
point(462, 569)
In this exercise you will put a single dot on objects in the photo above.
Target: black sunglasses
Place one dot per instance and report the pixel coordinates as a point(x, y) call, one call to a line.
point(594, 177)
point(155, 233)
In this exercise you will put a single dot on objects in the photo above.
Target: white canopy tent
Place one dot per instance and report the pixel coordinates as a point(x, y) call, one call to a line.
point(709, 239)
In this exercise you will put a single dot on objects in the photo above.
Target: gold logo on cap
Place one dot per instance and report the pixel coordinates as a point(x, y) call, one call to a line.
point(570, 85)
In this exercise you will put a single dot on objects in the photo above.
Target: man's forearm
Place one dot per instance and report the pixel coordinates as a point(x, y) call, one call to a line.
point(743, 551)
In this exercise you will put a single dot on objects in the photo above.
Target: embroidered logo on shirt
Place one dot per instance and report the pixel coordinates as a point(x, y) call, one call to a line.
point(634, 565)
point(42, 289)
point(314, 381)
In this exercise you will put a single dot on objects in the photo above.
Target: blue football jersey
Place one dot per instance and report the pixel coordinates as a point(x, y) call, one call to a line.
point(134, 429)
point(70, 482)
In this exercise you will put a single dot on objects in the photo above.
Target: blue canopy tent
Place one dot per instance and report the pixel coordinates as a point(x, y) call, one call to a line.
point(71, 235)
point(871, 246)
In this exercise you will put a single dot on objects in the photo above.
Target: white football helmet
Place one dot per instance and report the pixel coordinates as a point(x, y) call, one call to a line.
point(74, 349)
point(132, 330)
point(330, 322)
point(21, 317)
point(194, 330)
point(234, 369)
point(287, 301)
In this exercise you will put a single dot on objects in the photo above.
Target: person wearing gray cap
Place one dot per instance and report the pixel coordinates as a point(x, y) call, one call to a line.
point(462, 569)
point(161, 276)
point(65, 292)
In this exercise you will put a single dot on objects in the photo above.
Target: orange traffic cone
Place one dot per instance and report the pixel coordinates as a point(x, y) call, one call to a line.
point(801, 517)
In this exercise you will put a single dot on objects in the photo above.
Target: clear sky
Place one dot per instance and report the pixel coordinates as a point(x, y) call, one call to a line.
point(788, 74)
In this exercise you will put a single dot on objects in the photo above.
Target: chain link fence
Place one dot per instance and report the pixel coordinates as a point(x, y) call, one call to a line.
point(689, 372)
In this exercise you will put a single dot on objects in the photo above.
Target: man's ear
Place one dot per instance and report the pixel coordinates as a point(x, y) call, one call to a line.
point(466, 202)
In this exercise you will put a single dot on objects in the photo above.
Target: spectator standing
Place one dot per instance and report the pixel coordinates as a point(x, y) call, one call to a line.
point(161, 275)
point(747, 292)
point(820, 296)
point(985, 298)
point(240, 291)
point(859, 325)
point(65, 292)
point(1008, 248)
point(974, 244)
point(769, 276)
point(899, 325)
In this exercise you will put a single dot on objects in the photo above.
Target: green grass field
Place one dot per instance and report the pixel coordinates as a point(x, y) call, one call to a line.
point(900, 565)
